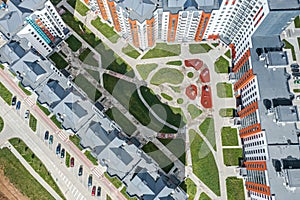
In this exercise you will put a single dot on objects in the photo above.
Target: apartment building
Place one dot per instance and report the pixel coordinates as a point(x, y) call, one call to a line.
point(35, 20)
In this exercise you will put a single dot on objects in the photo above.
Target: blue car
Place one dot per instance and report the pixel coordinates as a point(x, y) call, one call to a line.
point(51, 139)
point(18, 106)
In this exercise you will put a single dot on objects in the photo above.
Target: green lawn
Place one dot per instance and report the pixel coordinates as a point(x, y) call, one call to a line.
point(35, 163)
point(235, 188)
point(1, 124)
point(76, 141)
point(27, 92)
point(32, 122)
point(231, 156)
point(229, 136)
point(164, 111)
point(127, 126)
point(123, 191)
point(222, 65)
point(73, 43)
point(56, 122)
point(226, 112)
point(91, 158)
point(130, 51)
point(194, 111)
point(180, 101)
point(215, 44)
point(93, 93)
point(114, 180)
point(204, 165)
point(125, 92)
point(199, 48)
point(21, 178)
point(297, 22)
point(145, 69)
point(108, 197)
point(59, 61)
point(87, 57)
point(94, 74)
point(228, 54)
point(190, 188)
point(175, 62)
point(44, 109)
point(190, 74)
point(55, 2)
point(120, 66)
point(68, 159)
point(167, 75)
point(5, 94)
point(167, 97)
point(176, 89)
point(176, 146)
point(1, 66)
point(163, 161)
point(224, 90)
point(80, 7)
point(291, 47)
point(106, 30)
point(163, 50)
point(204, 196)
point(207, 128)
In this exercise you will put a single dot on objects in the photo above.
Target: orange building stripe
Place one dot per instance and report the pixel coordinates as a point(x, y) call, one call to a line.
point(114, 15)
point(134, 33)
point(242, 61)
point(202, 26)
point(102, 9)
point(259, 188)
point(150, 32)
point(244, 80)
point(256, 165)
point(173, 22)
point(250, 130)
point(248, 110)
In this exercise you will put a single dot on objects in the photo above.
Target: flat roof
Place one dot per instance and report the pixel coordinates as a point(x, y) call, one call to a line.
point(284, 4)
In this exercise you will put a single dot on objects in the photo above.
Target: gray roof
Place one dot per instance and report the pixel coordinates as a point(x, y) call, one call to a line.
point(286, 114)
point(282, 4)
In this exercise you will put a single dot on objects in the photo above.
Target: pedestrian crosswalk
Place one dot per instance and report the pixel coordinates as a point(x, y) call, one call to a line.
point(97, 172)
point(62, 135)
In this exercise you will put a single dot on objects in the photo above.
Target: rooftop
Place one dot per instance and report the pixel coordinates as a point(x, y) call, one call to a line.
point(283, 5)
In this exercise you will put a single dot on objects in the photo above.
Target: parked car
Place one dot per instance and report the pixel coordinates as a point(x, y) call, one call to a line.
point(297, 81)
point(26, 114)
point(46, 137)
point(80, 170)
point(294, 66)
point(295, 70)
point(90, 180)
point(72, 161)
point(298, 97)
point(14, 101)
point(93, 190)
point(296, 73)
point(62, 153)
point(58, 148)
point(99, 191)
point(18, 106)
point(51, 139)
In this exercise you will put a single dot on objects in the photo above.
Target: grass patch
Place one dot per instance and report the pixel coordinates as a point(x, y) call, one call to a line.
point(32, 122)
point(204, 196)
point(144, 70)
point(73, 43)
point(76, 141)
point(123, 191)
point(56, 122)
point(189, 187)
point(5, 94)
point(222, 65)
point(291, 47)
point(130, 51)
point(125, 92)
point(176, 89)
point(235, 188)
point(80, 7)
point(108, 197)
point(91, 158)
point(68, 159)
point(175, 62)
point(231, 156)
point(215, 44)
point(296, 90)
point(44, 109)
point(228, 54)
point(21, 178)
point(163, 161)
point(204, 165)
point(190, 74)
point(1, 66)
point(87, 57)
point(106, 30)
point(180, 101)
point(35, 163)
point(95, 74)
point(224, 90)
point(114, 180)
point(1, 124)
point(127, 126)
point(199, 48)
point(27, 92)
point(229, 136)
point(59, 61)
point(226, 112)
point(194, 111)
point(297, 22)
point(93, 93)
point(207, 128)
point(167, 75)
point(163, 50)
point(55, 2)
point(167, 97)
point(176, 146)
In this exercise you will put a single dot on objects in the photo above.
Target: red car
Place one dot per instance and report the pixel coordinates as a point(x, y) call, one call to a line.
point(93, 190)
point(72, 162)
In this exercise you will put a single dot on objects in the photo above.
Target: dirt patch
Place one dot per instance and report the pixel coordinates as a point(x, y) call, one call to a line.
point(8, 191)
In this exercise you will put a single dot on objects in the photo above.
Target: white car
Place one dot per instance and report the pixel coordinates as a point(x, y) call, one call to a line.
point(26, 114)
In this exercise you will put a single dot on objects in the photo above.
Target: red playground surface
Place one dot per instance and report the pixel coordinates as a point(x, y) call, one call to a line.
point(204, 76)
point(195, 63)
point(191, 91)
point(206, 100)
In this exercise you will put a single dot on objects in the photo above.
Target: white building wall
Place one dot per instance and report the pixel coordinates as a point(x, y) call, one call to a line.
point(143, 39)
point(165, 25)
point(250, 92)
point(123, 20)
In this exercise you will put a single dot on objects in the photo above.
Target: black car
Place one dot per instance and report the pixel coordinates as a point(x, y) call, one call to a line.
point(90, 181)
point(295, 70)
point(80, 170)
point(46, 137)
point(99, 191)
point(58, 148)
point(14, 101)
point(62, 153)
point(294, 66)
